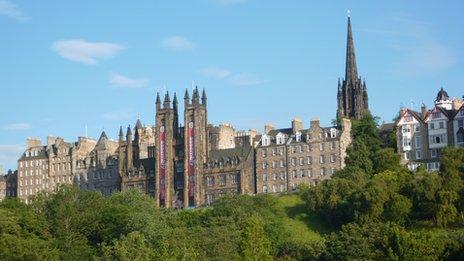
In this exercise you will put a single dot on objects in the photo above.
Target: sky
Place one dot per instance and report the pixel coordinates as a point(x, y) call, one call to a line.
point(65, 65)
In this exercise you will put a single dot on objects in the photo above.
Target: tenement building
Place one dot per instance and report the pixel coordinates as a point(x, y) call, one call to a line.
point(422, 135)
point(288, 157)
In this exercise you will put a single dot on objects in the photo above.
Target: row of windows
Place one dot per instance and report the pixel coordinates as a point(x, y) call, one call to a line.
point(222, 179)
point(296, 149)
point(301, 173)
point(434, 153)
point(301, 161)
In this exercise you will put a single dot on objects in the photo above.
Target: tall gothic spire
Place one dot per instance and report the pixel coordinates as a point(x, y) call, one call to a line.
point(351, 73)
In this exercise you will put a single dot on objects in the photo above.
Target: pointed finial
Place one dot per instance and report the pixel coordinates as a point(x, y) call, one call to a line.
point(348, 13)
point(174, 100)
point(158, 100)
point(186, 95)
point(129, 131)
point(121, 133)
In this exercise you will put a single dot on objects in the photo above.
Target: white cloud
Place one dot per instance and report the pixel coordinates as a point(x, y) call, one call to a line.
point(245, 79)
point(78, 50)
point(214, 72)
point(119, 80)
point(119, 115)
point(238, 79)
point(9, 154)
point(178, 43)
point(17, 126)
point(229, 2)
point(9, 9)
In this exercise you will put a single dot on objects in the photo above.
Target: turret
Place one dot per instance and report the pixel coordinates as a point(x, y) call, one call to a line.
point(195, 96)
point(129, 135)
point(203, 98)
point(167, 101)
point(186, 97)
point(121, 135)
point(158, 101)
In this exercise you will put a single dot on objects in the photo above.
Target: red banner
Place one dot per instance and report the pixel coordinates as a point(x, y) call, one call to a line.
point(162, 163)
point(191, 160)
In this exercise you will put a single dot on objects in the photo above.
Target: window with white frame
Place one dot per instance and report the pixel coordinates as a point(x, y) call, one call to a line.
point(332, 158)
point(309, 160)
point(322, 159)
point(417, 141)
point(418, 154)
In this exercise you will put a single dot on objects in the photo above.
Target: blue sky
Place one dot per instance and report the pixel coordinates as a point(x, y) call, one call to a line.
point(65, 65)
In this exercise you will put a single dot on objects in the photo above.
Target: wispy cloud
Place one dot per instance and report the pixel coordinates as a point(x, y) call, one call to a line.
point(238, 79)
point(119, 115)
point(118, 80)
point(214, 72)
point(82, 51)
point(9, 153)
point(245, 79)
point(7, 8)
point(416, 43)
point(178, 43)
point(17, 126)
point(229, 2)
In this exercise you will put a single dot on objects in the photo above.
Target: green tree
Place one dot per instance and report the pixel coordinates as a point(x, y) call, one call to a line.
point(254, 244)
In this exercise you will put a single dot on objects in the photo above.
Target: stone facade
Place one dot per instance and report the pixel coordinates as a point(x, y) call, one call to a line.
point(422, 135)
point(288, 157)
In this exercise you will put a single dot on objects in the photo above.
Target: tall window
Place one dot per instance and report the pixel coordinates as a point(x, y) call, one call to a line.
point(417, 141)
point(210, 181)
point(441, 124)
point(309, 160)
point(223, 180)
point(322, 159)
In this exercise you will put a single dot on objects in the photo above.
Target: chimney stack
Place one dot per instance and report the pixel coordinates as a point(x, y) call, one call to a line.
point(297, 125)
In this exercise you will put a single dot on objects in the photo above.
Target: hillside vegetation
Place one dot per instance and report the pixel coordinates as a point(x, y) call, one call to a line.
point(374, 209)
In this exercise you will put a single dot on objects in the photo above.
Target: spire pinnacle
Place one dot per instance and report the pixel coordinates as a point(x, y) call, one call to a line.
point(121, 133)
point(158, 100)
point(351, 73)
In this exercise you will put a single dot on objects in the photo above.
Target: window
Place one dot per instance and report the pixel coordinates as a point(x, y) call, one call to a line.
point(406, 129)
point(433, 153)
point(293, 173)
point(416, 127)
point(332, 158)
point(210, 181)
point(417, 141)
point(281, 163)
point(301, 161)
point(273, 151)
point(418, 154)
point(332, 171)
point(441, 124)
point(407, 155)
point(264, 165)
point(263, 153)
point(265, 189)
point(431, 126)
point(293, 161)
point(302, 173)
point(321, 146)
point(298, 136)
point(282, 175)
point(309, 172)
point(274, 164)
point(322, 159)
point(406, 141)
point(322, 171)
point(266, 140)
point(264, 177)
point(274, 176)
point(462, 113)
point(461, 122)
point(222, 180)
point(332, 145)
point(274, 189)
point(309, 160)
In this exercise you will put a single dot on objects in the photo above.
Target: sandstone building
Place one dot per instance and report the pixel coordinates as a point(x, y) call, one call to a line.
point(188, 163)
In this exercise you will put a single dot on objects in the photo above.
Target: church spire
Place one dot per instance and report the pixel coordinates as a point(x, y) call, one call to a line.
point(351, 73)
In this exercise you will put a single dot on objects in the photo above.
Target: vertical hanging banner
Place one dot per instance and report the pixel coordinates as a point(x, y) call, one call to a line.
point(191, 160)
point(162, 163)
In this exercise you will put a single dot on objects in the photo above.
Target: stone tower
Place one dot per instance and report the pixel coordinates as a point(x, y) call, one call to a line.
point(195, 147)
point(352, 92)
point(165, 140)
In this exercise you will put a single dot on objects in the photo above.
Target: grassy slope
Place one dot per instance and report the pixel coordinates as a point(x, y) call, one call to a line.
point(303, 227)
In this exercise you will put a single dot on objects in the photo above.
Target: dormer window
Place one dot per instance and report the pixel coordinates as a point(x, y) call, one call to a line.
point(266, 140)
point(280, 138)
point(333, 133)
point(298, 136)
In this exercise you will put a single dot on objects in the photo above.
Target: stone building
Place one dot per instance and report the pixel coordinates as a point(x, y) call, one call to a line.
point(352, 95)
point(227, 172)
point(422, 135)
point(290, 156)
